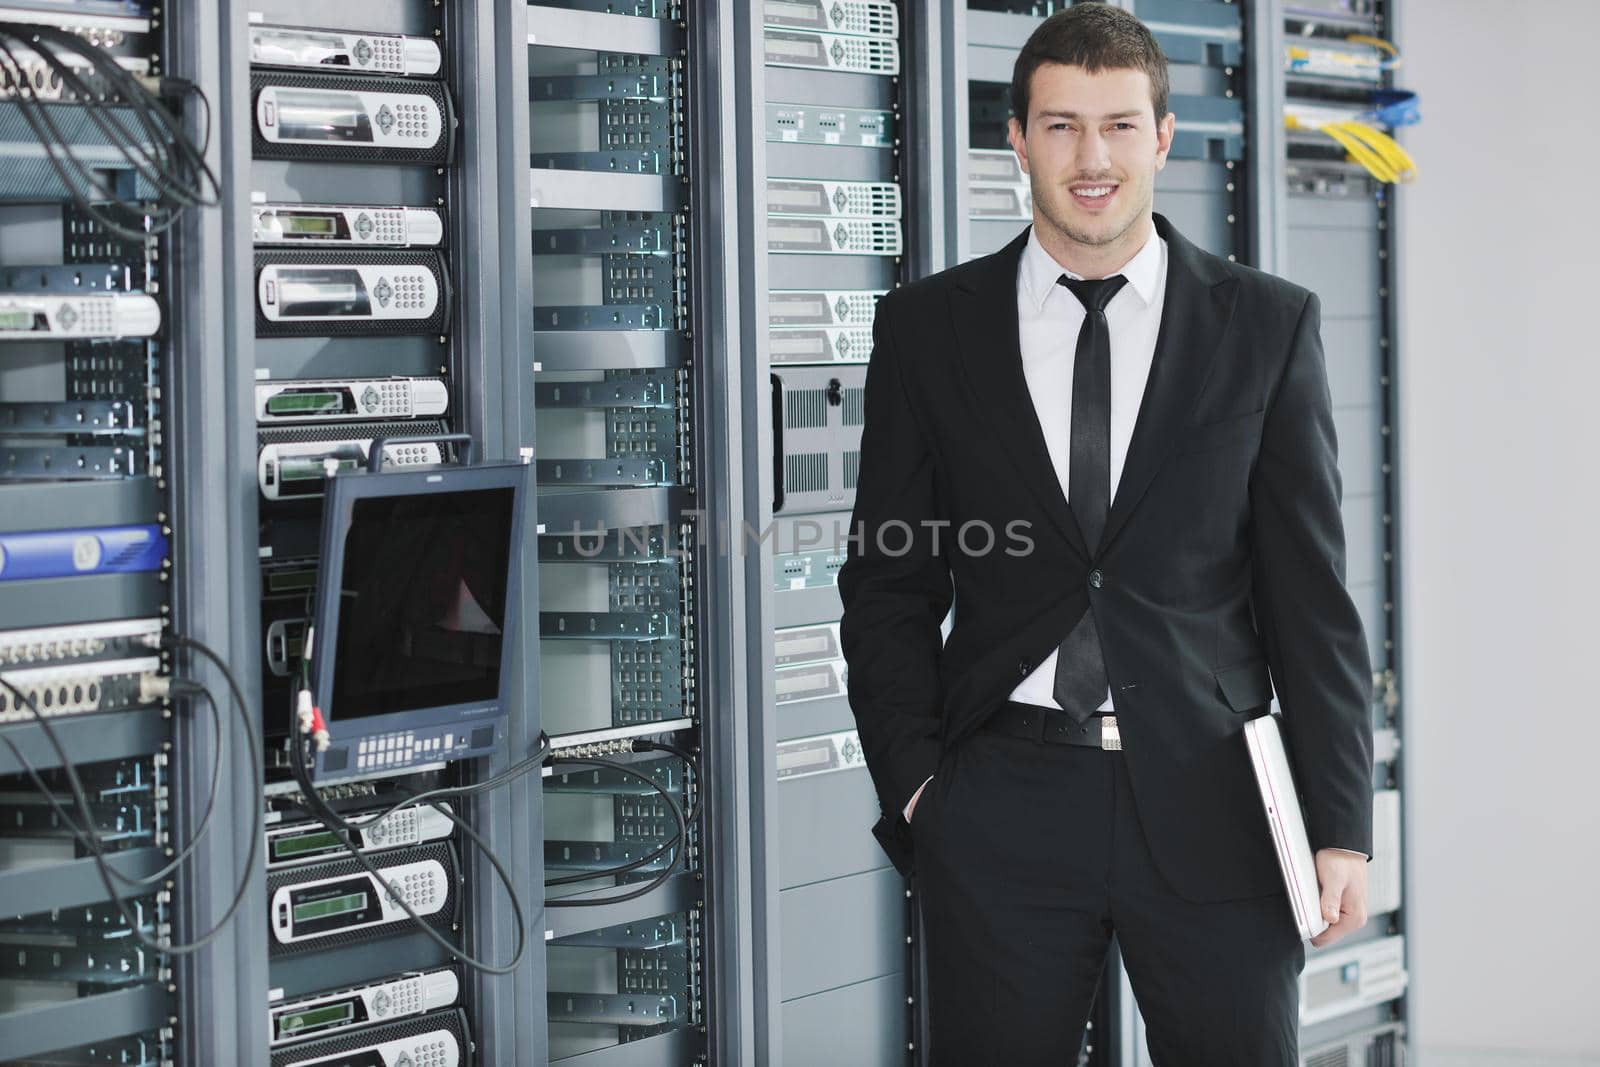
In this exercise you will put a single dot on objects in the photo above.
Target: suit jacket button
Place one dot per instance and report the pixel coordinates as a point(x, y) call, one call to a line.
point(1023, 668)
point(1096, 579)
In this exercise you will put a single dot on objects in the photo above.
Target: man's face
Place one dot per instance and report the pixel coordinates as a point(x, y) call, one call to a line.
point(1091, 150)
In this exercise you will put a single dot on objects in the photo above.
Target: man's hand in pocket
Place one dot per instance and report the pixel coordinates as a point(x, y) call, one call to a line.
point(911, 805)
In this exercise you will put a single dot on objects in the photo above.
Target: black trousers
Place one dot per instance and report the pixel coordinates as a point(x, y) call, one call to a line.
point(1029, 857)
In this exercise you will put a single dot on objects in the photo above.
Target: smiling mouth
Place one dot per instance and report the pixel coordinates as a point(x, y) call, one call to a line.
point(1094, 196)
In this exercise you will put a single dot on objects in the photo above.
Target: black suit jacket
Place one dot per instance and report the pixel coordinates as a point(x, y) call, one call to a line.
point(1222, 557)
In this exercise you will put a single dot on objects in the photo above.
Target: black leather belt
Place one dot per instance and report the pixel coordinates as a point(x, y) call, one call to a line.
point(1054, 726)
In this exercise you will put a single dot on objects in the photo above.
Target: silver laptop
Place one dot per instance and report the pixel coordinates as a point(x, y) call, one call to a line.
point(1287, 822)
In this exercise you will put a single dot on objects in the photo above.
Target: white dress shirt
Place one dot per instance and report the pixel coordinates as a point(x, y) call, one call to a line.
point(1049, 317)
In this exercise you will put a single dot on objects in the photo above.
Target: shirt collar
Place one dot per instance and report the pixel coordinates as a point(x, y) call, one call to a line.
point(1039, 269)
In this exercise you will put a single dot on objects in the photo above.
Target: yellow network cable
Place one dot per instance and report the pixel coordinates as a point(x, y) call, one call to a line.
point(1375, 150)
point(1386, 148)
point(1381, 45)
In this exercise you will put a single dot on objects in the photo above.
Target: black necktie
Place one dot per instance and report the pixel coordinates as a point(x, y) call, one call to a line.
point(1080, 682)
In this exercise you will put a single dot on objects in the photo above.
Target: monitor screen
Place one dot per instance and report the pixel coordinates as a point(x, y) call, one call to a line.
point(422, 601)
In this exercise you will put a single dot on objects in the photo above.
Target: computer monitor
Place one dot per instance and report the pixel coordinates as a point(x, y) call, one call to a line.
point(415, 626)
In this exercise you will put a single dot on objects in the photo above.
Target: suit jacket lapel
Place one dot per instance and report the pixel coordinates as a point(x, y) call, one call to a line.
point(984, 310)
point(1195, 314)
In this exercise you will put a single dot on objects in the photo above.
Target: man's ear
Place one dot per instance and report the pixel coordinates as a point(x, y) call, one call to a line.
point(1164, 131)
point(1018, 140)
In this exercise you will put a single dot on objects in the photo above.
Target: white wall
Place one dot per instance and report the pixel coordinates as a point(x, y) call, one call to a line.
point(1499, 426)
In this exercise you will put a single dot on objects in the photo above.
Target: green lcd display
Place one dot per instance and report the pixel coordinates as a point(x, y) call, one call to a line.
point(305, 403)
point(317, 225)
point(16, 319)
point(310, 468)
point(299, 844)
point(317, 1018)
point(788, 9)
point(323, 909)
point(291, 581)
point(793, 47)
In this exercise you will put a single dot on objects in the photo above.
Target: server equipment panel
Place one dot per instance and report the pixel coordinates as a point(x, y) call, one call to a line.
point(323, 293)
point(71, 670)
point(293, 464)
point(1343, 980)
point(1381, 1046)
point(313, 225)
point(817, 417)
point(337, 902)
point(351, 119)
point(830, 51)
point(439, 1039)
point(376, 53)
point(867, 18)
point(303, 842)
point(338, 1011)
point(336, 400)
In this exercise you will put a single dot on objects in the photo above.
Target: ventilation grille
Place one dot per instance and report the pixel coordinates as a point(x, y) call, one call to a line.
point(805, 409)
point(1332, 1057)
point(647, 681)
point(852, 467)
point(854, 406)
point(806, 472)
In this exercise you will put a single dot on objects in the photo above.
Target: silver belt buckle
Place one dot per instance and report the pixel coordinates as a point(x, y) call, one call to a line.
point(1110, 739)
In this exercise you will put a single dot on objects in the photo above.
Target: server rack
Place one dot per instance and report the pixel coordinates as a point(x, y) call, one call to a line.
point(1337, 230)
point(844, 201)
point(784, 868)
point(627, 206)
point(465, 348)
point(614, 411)
point(92, 444)
point(341, 290)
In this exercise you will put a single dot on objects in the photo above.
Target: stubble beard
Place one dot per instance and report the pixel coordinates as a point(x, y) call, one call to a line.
point(1054, 211)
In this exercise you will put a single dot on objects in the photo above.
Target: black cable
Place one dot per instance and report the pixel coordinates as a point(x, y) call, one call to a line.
point(257, 780)
point(633, 865)
point(37, 115)
point(314, 805)
point(189, 88)
point(192, 689)
point(493, 782)
point(58, 153)
point(164, 156)
point(518, 915)
point(523, 767)
point(88, 829)
point(110, 121)
point(90, 840)
point(342, 829)
point(666, 872)
point(159, 124)
point(690, 762)
point(221, 742)
point(50, 138)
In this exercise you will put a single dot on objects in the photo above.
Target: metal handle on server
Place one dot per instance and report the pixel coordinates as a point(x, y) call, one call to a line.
point(375, 456)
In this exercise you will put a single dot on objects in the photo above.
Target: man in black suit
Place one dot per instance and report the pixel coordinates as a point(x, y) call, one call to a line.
point(1115, 453)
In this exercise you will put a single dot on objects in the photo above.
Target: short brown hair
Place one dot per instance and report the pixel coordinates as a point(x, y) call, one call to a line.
point(1096, 37)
